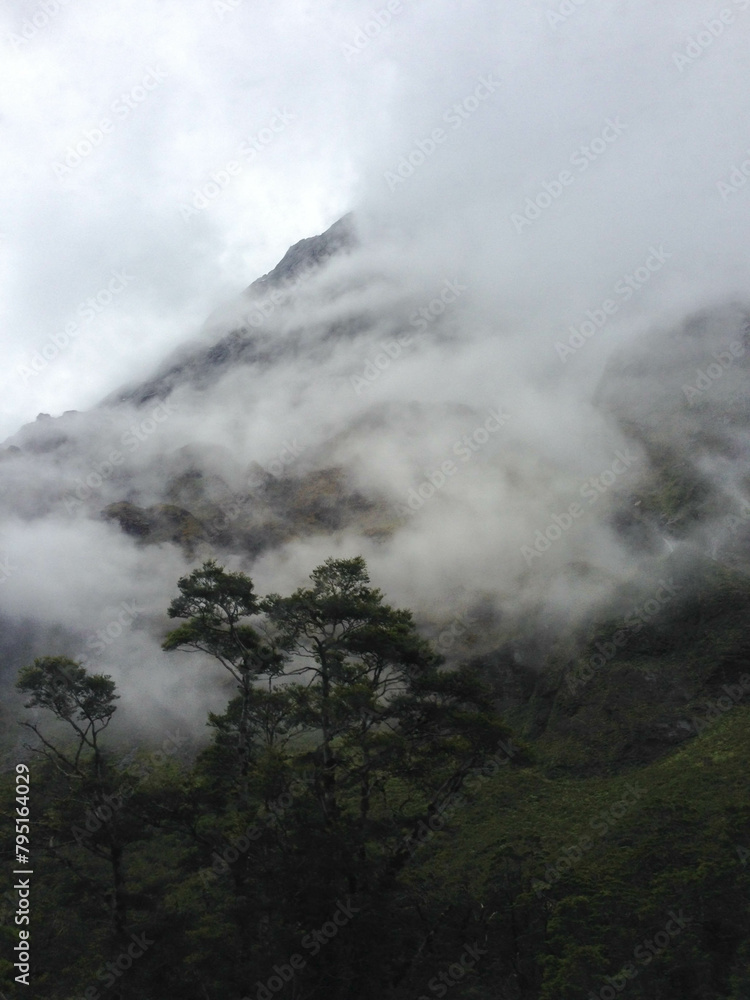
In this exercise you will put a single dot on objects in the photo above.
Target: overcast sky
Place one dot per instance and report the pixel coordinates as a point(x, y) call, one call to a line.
point(114, 116)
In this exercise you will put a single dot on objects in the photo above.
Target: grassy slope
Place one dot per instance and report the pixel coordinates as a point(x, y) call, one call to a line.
point(588, 870)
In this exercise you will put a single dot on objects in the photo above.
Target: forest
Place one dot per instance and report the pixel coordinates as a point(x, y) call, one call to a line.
point(360, 823)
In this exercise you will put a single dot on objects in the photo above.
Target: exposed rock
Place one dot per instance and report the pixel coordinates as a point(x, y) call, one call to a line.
point(202, 366)
point(315, 250)
point(160, 523)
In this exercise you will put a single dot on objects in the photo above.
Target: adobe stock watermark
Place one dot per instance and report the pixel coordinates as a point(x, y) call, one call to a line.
point(738, 177)
point(643, 955)
point(394, 349)
point(455, 116)
point(438, 816)
point(287, 456)
point(582, 158)
point(231, 507)
point(312, 942)
point(705, 379)
point(239, 845)
point(131, 440)
point(702, 40)
point(605, 820)
point(109, 973)
point(371, 28)
point(456, 630)
point(391, 351)
point(122, 108)
point(220, 180)
point(440, 984)
point(229, 510)
point(592, 490)
point(733, 695)
point(632, 624)
point(264, 307)
point(625, 289)
point(32, 25)
point(99, 641)
point(88, 311)
point(450, 293)
point(563, 11)
point(465, 448)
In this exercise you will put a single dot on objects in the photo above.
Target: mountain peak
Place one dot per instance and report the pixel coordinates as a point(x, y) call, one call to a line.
point(309, 253)
point(203, 363)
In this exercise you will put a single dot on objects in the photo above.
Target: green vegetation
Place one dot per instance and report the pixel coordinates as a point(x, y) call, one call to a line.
point(362, 826)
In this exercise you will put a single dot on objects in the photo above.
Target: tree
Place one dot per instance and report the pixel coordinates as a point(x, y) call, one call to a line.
point(396, 737)
point(214, 604)
point(374, 689)
point(358, 654)
point(85, 702)
point(335, 683)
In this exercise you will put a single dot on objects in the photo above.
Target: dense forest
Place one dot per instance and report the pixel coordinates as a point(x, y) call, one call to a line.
point(362, 822)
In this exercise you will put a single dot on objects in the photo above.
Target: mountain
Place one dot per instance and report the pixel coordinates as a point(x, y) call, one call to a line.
point(578, 537)
point(246, 344)
point(177, 461)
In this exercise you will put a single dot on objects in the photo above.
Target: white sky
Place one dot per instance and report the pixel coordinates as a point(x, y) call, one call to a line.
point(229, 68)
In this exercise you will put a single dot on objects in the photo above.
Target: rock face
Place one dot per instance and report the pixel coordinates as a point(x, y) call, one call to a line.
point(248, 343)
point(308, 253)
point(202, 512)
point(160, 523)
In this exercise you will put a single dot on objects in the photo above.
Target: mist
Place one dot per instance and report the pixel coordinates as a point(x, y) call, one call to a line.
point(549, 264)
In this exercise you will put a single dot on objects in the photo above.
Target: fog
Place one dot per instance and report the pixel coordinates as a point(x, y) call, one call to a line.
point(551, 253)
